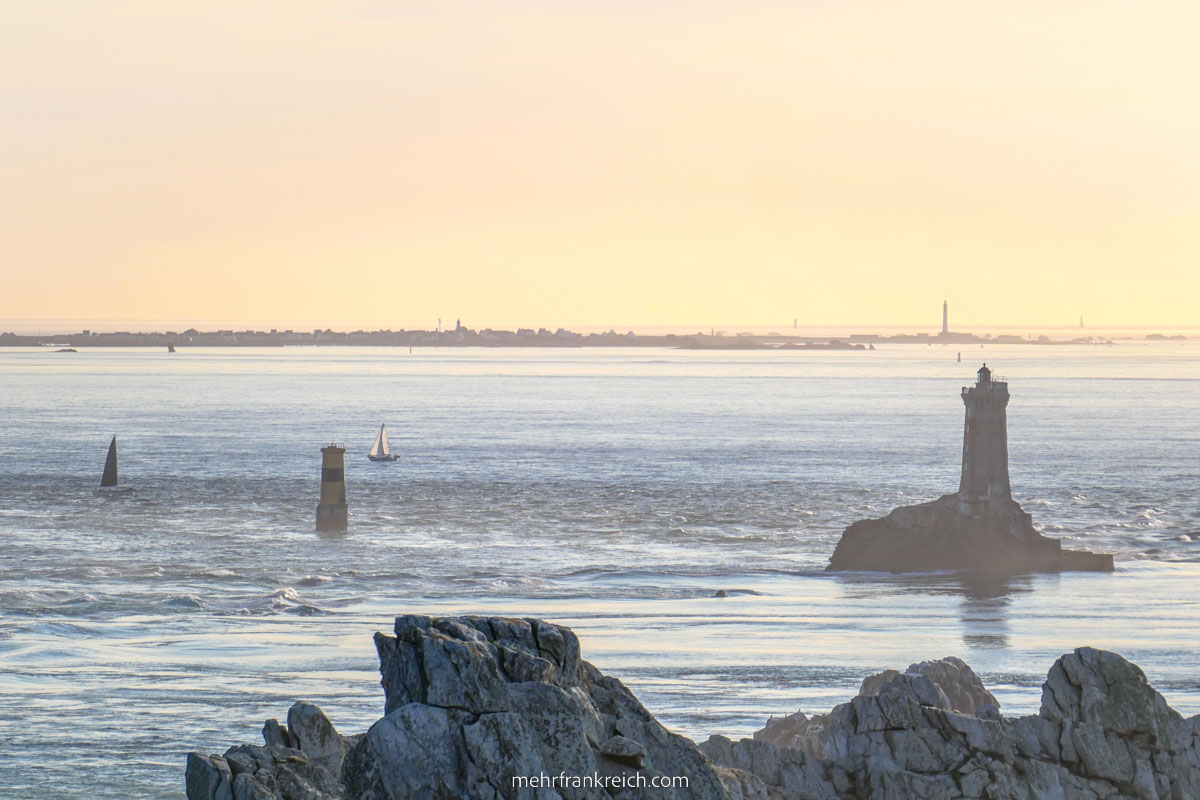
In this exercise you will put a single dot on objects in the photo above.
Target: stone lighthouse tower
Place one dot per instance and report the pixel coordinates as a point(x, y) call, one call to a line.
point(985, 441)
point(979, 527)
point(332, 514)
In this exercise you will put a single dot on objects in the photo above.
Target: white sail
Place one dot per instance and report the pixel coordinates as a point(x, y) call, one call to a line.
point(381, 449)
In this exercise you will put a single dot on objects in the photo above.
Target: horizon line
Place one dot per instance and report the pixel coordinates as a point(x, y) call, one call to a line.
point(425, 325)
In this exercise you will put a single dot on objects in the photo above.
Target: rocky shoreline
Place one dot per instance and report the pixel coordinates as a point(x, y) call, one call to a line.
point(481, 708)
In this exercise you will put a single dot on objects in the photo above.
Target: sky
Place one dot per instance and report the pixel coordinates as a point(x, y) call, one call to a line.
point(611, 162)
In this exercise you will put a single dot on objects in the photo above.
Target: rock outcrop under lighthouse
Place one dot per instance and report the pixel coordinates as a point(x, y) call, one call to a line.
point(947, 534)
point(979, 527)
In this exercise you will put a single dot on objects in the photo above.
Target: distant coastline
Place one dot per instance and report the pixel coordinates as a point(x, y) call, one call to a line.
point(522, 337)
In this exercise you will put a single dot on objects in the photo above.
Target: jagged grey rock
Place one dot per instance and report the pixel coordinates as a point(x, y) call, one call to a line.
point(208, 777)
point(276, 734)
point(303, 763)
point(472, 702)
point(964, 691)
point(475, 702)
point(272, 772)
point(946, 683)
point(310, 731)
point(1102, 733)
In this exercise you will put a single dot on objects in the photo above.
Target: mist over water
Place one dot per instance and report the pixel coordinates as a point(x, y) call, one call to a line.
point(610, 490)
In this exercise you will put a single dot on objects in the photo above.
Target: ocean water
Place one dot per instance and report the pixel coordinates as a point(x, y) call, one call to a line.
point(611, 490)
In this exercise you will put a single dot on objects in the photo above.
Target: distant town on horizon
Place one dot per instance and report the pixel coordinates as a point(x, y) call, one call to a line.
point(461, 336)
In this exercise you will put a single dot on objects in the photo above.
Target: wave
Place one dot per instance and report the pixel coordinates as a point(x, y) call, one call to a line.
point(64, 603)
point(286, 601)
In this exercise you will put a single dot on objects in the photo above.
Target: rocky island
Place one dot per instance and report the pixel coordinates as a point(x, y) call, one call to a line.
point(481, 708)
point(980, 527)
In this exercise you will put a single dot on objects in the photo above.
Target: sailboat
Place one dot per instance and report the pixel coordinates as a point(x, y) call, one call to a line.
point(108, 481)
point(381, 450)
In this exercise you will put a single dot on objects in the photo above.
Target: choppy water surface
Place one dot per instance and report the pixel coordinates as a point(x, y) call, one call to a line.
point(611, 490)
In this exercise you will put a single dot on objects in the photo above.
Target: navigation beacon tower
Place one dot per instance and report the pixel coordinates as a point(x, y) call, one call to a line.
point(332, 514)
point(945, 317)
point(985, 441)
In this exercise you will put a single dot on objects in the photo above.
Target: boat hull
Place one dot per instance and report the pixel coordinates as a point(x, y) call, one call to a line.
point(384, 458)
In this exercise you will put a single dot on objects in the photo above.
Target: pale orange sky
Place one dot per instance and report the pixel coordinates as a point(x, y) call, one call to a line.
point(601, 163)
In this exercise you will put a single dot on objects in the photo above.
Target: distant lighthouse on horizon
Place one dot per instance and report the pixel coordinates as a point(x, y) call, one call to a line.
point(945, 317)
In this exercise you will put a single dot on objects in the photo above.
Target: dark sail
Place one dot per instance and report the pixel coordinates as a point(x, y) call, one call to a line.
point(110, 465)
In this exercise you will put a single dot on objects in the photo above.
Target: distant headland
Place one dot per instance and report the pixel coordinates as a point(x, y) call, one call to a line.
point(462, 336)
point(459, 336)
point(487, 337)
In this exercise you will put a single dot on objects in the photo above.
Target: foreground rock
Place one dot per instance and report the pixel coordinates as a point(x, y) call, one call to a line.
point(954, 686)
point(1102, 733)
point(483, 708)
point(476, 707)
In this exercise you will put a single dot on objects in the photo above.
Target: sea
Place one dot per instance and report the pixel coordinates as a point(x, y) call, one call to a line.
point(615, 491)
